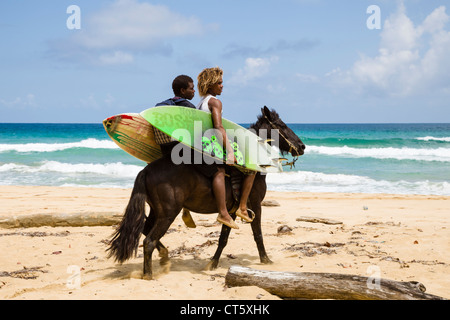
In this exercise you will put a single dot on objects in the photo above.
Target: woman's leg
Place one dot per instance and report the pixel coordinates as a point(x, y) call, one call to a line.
point(247, 185)
point(218, 185)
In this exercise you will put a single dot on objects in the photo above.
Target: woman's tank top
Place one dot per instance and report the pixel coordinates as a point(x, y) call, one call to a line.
point(203, 104)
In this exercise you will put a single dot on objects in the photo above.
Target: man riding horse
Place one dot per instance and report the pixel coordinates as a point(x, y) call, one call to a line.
point(168, 188)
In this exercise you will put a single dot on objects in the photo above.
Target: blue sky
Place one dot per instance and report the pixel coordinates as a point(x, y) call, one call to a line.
point(314, 61)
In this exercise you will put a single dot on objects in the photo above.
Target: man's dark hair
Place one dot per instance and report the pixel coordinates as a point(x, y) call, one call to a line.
point(181, 82)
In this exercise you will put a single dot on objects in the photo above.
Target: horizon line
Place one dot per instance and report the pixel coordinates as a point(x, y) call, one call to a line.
point(240, 123)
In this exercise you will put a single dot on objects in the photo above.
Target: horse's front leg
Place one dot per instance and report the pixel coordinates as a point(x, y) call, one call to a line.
point(223, 240)
point(257, 235)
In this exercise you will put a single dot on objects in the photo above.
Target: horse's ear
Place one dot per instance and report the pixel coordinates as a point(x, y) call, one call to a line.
point(265, 111)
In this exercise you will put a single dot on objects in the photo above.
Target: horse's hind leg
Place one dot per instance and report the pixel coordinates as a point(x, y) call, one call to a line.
point(149, 224)
point(149, 246)
point(152, 241)
point(163, 253)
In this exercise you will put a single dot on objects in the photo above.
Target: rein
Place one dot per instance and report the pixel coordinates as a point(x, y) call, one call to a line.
point(291, 145)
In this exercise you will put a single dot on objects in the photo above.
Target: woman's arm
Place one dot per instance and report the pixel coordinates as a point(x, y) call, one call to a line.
point(215, 105)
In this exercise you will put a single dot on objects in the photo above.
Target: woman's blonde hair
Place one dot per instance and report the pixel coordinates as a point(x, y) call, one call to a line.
point(207, 78)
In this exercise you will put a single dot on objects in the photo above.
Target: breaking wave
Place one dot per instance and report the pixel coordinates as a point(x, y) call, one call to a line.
point(113, 169)
point(306, 181)
point(438, 154)
point(90, 143)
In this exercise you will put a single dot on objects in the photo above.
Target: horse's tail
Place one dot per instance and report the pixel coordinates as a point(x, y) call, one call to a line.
point(125, 240)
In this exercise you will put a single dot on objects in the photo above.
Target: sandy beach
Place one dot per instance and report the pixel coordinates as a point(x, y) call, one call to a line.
point(406, 237)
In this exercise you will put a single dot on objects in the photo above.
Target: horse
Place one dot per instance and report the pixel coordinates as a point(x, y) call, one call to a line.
point(169, 188)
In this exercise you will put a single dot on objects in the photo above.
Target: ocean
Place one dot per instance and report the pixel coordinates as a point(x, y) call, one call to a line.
point(361, 158)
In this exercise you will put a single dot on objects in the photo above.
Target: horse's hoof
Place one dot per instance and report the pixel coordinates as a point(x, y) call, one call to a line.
point(164, 261)
point(147, 277)
point(165, 267)
point(212, 265)
point(266, 260)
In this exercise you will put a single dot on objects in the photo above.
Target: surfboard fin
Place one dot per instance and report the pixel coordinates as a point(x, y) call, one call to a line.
point(266, 165)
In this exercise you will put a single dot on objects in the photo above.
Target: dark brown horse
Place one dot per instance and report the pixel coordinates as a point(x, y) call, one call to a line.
point(168, 188)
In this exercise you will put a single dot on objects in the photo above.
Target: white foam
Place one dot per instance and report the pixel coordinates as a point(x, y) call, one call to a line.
point(430, 138)
point(117, 169)
point(90, 143)
point(437, 154)
point(122, 175)
point(307, 181)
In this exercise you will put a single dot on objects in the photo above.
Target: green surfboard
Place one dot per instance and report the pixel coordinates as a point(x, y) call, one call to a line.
point(194, 128)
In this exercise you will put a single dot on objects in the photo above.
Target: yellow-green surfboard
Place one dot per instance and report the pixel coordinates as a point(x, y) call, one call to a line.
point(194, 128)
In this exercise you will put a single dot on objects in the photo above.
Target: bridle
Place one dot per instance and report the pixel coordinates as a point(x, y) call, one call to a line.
point(291, 145)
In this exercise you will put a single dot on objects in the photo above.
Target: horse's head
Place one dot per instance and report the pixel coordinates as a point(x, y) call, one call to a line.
point(288, 140)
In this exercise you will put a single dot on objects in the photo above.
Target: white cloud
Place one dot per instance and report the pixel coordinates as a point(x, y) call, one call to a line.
point(399, 33)
point(276, 88)
point(118, 31)
point(117, 57)
point(20, 102)
point(109, 100)
point(435, 21)
point(307, 77)
point(134, 25)
point(254, 68)
point(90, 102)
point(94, 103)
point(411, 59)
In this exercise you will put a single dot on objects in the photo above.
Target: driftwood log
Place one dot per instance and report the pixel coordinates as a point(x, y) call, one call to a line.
point(60, 220)
point(305, 285)
point(270, 203)
point(318, 220)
